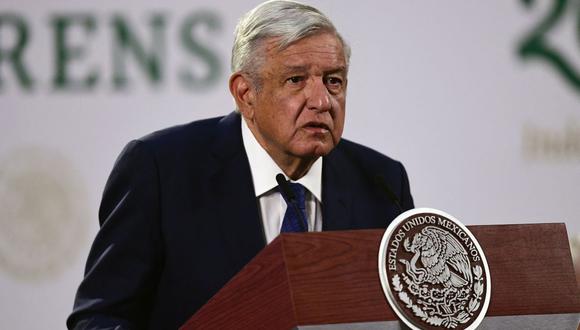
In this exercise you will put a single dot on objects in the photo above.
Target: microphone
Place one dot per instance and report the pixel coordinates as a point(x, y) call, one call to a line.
point(290, 199)
point(381, 183)
point(378, 180)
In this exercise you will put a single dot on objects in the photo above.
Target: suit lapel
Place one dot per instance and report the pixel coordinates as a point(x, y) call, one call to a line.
point(336, 195)
point(233, 191)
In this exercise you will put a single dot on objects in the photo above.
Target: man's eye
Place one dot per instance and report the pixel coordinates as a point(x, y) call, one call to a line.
point(295, 79)
point(334, 81)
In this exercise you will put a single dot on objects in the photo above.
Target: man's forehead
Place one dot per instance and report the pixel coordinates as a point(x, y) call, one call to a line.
point(325, 63)
point(326, 67)
point(322, 50)
point(280, 43)
point(325, 42)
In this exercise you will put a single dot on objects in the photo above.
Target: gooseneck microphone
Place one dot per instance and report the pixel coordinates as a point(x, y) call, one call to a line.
point(290, 198)
point(382, 184)
point(377, 180)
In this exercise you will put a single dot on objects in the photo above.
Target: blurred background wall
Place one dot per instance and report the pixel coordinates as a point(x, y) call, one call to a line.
point(479, 99)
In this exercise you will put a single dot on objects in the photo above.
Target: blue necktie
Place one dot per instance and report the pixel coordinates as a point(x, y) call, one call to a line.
point(291, 222)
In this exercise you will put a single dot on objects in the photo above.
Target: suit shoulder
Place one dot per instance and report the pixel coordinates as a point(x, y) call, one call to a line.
point(199, 131)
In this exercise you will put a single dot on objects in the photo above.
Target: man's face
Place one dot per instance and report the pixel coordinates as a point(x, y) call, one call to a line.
point(299, 110)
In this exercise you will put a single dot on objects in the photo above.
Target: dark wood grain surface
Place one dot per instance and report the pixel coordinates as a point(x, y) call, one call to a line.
point(530, 265)
point(332, 277)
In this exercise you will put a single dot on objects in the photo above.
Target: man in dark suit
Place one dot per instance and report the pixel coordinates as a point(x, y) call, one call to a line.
point(187, 207)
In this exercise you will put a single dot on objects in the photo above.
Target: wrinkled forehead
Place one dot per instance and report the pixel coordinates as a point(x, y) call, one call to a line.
point(324, 50)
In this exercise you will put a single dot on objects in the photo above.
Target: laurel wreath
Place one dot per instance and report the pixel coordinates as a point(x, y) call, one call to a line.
point(452, 322)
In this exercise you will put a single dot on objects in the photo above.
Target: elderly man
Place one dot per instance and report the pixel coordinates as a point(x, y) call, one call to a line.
point(187, 207)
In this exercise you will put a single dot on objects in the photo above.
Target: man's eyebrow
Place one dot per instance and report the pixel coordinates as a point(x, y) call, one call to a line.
point(302, 68)
point(295, 68)
point(340, 69)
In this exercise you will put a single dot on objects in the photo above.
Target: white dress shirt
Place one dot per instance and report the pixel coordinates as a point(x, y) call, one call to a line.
point(272, 204)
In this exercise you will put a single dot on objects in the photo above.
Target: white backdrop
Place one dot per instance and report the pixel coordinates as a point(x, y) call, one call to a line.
point(485, 134)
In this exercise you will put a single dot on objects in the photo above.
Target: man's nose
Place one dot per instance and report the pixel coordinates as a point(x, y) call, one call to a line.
point(318, 98)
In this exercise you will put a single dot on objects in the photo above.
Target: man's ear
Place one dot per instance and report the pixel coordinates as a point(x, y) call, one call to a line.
point(244, 94)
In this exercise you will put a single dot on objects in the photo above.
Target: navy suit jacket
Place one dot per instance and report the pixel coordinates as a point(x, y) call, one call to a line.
point(179, 218)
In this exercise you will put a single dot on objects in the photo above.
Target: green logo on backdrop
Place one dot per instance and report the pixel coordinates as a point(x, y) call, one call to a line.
point(536, 43)
point(144, 48)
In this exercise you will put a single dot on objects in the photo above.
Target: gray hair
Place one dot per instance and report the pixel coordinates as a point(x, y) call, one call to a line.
point(288, 20)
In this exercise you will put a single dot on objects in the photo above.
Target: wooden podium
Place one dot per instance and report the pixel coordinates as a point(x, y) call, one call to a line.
point(330, 280)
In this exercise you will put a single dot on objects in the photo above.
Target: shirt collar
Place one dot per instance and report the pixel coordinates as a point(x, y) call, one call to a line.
point(264, 169)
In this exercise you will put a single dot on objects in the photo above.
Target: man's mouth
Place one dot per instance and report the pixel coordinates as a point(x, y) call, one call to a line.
point(317, 127)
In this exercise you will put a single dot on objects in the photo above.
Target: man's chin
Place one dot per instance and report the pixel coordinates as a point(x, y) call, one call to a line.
point(316, 150)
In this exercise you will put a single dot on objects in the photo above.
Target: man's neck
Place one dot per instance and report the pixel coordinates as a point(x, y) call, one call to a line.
point(264, 169)
point(294, 167)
